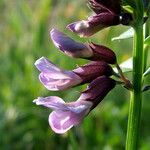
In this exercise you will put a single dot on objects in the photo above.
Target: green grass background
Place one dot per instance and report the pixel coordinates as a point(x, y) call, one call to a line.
point(24, 37)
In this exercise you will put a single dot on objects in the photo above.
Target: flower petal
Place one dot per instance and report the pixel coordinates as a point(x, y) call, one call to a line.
point(54, 83)
point(53, 102)
point(43, 65)
point(61, 121)
point(68, 45)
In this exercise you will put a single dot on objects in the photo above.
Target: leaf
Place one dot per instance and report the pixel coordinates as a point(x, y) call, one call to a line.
point(146, 72)
point(147, 40)
point(125, 35)
point(128, 8)
point(126, 66)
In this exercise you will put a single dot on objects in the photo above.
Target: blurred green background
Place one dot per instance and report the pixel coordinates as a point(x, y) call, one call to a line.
point(24, 37)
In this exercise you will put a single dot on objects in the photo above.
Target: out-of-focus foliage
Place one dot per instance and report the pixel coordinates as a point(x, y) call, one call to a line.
point(24, 37)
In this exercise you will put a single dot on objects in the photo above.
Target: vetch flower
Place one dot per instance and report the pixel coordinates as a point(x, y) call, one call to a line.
point(75, 49)
point(54, 78)
point(66, 115)
point(93, 24)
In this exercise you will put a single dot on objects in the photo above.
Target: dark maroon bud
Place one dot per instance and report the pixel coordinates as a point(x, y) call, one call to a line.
point(99, 6)
point(126, 18)
point(93, 70)
point(97, 90)
point(102, 53)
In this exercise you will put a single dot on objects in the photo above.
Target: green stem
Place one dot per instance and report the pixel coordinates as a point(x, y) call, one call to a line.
point(136, 95)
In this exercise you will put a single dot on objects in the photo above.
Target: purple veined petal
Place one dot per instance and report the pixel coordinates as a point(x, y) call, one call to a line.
point(53, 102)
point(43, 64)
point(55, 84)
point(51, 70)
point(62, 121)
point(86, 28)
point(68, 45)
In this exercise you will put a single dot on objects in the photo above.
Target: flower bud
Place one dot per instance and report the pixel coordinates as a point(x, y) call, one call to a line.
point(86, 28)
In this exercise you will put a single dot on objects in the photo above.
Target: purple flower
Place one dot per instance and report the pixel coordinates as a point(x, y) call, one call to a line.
point(54, 78)
point(93, 24)
point(66, 115)
point(87, 51)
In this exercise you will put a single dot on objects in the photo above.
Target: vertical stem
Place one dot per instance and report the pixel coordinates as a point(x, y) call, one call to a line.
point(146, 34)
point(136, 95)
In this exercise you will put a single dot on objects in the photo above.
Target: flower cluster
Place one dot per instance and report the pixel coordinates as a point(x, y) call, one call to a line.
point(97, 73)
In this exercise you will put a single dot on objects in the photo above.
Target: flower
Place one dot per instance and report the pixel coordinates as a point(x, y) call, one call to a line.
point(93, 24)
point(66, 115)
point(54, 78)
point(75, 49)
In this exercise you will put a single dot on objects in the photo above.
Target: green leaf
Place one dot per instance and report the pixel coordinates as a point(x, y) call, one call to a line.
point(147, 40)
point(126, 66)
point(125, 35)
point(147, 72)
point(128, 8)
